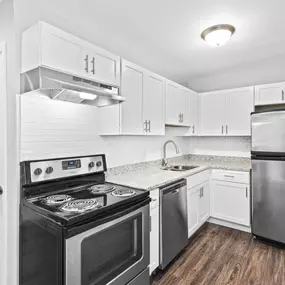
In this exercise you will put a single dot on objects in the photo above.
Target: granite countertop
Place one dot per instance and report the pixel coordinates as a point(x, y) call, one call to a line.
point(149, 175)
point(151, 178)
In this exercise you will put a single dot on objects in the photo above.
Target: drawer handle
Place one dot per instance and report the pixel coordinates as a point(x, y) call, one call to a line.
point(230, 176)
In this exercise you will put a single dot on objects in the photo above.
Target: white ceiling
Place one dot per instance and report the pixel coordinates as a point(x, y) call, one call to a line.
point(164, 35)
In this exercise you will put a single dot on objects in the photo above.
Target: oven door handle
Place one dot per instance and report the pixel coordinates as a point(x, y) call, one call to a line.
point(108, 220)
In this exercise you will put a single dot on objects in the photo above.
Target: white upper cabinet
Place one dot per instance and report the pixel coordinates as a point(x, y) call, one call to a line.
point(238, 108)
point(132, 108)
point(143, 111)
point(98, 66)
point(153, 104)
point(177, 105)
point(226, 112)
point(48, 46)
point(270, 94)
point(194, 113)
point(185, 95)
point(56, 52)
point(212, 113)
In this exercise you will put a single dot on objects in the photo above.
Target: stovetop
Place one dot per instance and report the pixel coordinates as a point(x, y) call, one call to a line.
point(72, 205)
point(72, 190)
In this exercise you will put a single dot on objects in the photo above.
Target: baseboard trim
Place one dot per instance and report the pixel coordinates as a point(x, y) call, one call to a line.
point(229, 225)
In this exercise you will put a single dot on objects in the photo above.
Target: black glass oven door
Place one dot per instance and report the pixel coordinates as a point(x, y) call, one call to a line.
point(112, 253)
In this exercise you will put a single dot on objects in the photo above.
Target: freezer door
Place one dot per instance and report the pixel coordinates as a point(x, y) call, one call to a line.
point(268, 199)
point(268, 132)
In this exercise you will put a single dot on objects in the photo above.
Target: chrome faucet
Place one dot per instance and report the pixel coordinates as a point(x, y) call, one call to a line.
point(164, 160)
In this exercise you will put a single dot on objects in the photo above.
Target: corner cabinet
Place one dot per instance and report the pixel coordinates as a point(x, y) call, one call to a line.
point(177, 112)
point(143, 111)
point(226, 112)
point(47, 46)
point(270, 94)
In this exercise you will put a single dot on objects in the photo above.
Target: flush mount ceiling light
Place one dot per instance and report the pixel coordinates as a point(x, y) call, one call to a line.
point(218, 35)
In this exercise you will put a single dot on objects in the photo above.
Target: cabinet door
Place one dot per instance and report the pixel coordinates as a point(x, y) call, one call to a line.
point(153, 105)
point(154, 239)
point(230, 202)
point(194, 106)
point(270, 94)
point(204, 203)
point(61, 54)
point(132, 108)
point(239, 106)
point(100, 67)
point(172, 104)
point(185, 107)
point(193, 210)
point(212, 113)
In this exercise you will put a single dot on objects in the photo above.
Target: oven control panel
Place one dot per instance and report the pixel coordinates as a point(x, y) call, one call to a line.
point(71, 164)
point(62, 168)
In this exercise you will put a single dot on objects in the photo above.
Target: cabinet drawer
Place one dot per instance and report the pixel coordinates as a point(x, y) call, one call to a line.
point(198, 178)
point(231, 176)
point(154, 195)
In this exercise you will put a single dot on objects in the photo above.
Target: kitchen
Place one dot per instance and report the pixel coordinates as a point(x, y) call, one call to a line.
point(207, 120)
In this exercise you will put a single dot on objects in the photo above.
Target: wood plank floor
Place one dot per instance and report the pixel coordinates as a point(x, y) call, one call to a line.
point(222, 256)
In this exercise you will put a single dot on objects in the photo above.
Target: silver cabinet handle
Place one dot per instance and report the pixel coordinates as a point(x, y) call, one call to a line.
point(93, 65)
point(202, 191)
point(149, 126)
point(86, 63)
point(282, 95)
point(182, 115)
point(193, 132)
point(246, 194)
point(226, 129)
point(179, 118)
point(230, 176)
point(145, 125)
point(150, 223)
point(222, 129)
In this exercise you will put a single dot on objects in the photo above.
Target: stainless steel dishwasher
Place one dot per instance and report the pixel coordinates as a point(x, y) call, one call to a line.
point(173, 221)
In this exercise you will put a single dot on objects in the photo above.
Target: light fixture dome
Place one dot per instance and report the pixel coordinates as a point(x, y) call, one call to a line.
point(218, 35)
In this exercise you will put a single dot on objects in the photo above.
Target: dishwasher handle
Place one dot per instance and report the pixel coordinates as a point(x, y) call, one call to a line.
point(173, 188)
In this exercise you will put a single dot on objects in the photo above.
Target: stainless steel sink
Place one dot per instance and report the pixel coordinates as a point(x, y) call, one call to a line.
point(179, 167)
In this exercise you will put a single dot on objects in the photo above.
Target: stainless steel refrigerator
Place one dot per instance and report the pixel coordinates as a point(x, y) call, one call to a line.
point(268, 175)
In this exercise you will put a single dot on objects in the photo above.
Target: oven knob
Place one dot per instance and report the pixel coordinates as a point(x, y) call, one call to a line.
point(38, 171)
point(98, 163)
point(49, 170)
point(91, 164)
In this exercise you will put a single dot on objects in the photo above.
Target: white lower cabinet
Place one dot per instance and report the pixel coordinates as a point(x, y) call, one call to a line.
point(198, 204)
point(204, 202)
point(230, 202)
point(193, 210)
point(154, 231)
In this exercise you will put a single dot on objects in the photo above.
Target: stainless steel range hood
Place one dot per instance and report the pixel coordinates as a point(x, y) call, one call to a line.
point(61, 86)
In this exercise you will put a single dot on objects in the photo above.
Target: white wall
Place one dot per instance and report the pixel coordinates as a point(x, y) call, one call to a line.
point(221, 146)
point(51, 129)
point(266, 70)
point(8, 34)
